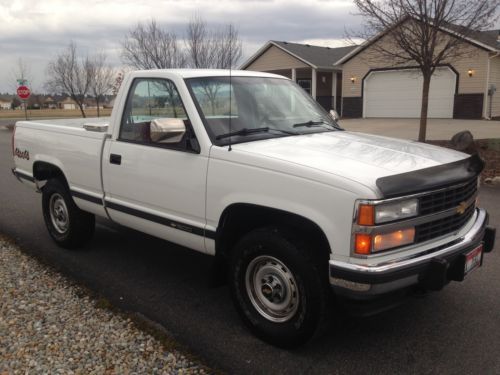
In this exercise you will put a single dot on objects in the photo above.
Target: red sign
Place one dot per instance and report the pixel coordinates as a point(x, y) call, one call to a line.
point(23, 92)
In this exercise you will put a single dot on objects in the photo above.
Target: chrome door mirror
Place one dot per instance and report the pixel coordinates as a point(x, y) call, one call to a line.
point(334, 115)
point(167, 130)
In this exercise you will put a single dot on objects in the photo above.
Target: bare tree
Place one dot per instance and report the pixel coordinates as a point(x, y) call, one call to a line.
point(70, 74)
point(102, 78)
point(229, 46)
point(220, 49)
point(427, 33)
point(149, 47)
point(21, 72)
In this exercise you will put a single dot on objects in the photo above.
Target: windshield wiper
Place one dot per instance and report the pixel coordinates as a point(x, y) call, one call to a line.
point(311, 123)
point(247, 131)
point(243, 132)
point(285, 131)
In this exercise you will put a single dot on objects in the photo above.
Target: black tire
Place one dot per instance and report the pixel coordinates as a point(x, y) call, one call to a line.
point(252, 259)
point(79, 226)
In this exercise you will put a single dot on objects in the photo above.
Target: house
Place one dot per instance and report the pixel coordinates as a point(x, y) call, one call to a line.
point(5, 102)
point(67, 103)
point(312, 67)
point(49, 102)
point(463, 88)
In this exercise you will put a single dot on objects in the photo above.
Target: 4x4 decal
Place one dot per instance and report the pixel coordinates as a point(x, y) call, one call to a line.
point(22, 154)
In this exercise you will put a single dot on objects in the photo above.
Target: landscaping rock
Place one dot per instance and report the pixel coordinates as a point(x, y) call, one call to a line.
point(49, 326)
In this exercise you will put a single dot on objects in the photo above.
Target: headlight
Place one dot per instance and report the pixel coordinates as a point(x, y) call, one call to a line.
point(396, 211)
point(370, 215)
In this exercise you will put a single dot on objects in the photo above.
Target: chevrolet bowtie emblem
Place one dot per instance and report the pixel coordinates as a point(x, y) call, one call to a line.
point(461, 208)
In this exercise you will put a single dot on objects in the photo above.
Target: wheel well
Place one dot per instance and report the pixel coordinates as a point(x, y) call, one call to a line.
point(43, 171)
point(239, 219)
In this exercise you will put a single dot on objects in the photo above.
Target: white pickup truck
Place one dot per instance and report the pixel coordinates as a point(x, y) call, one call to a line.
point(249, 168)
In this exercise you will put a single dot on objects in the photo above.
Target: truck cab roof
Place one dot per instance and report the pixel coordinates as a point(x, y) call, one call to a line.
point(194, 73)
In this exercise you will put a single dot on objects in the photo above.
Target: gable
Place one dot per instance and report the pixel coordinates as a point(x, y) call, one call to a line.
point(274, 59)
point(477, 43)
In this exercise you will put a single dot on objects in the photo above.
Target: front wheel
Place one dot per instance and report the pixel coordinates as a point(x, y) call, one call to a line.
point(68, 226)
point(277, 287)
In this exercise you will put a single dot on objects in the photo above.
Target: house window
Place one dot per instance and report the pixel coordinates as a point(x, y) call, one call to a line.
point(305, 84)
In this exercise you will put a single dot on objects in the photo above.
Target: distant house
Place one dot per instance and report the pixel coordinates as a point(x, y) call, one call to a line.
point(67, 103)
point(5, 103)
point(49, 103)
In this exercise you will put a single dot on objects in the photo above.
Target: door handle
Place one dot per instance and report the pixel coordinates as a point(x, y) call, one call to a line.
point(115, 159)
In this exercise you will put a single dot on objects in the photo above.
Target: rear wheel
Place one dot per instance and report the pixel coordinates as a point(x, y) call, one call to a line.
point(68, 226)
point(278, 288)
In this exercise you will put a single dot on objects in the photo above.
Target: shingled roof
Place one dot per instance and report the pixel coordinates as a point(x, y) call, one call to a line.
point(315, 56)
point(490, 37)
point(489, 40)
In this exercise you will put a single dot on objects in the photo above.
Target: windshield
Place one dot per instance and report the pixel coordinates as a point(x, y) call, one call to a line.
point(260, 108)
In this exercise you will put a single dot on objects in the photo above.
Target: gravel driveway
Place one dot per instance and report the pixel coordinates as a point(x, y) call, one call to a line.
point(48, 325)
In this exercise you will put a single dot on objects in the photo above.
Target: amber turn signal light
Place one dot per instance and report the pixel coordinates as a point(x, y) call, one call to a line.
point(363, 244)
point(366, 214)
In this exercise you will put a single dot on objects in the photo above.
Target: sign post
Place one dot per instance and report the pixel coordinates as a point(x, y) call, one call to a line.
point(24, 93)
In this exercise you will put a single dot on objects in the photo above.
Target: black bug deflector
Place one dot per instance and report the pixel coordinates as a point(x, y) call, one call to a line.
point(430, 178)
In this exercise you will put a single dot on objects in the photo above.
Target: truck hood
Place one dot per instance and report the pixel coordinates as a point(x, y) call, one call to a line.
point(357, 156)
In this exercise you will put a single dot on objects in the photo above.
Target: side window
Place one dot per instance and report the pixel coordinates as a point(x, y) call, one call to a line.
point(148, 100)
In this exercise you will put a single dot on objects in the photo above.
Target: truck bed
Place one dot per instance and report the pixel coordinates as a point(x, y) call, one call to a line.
point(66, 144)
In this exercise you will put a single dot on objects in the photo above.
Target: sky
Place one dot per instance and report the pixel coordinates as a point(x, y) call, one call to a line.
point(37, 30)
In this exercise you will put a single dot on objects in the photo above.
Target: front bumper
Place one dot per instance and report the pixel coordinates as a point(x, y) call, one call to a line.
point(431, 270)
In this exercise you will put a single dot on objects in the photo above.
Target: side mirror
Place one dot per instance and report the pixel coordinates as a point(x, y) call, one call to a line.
point(167, 130)
point(334, 115)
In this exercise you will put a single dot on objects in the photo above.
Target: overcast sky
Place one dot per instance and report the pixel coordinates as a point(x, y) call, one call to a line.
point(36, 30)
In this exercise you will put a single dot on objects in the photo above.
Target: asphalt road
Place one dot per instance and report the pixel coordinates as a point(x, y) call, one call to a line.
point(456, 331)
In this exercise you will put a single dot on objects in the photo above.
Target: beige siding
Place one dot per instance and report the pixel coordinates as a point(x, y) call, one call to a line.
point(355, 68)
point(273, 59)
point(495, 79)
point(369, 58)
point(478, 62)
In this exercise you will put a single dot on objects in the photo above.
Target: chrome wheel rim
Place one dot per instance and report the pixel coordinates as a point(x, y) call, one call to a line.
point(272, 288)
point(59, 213)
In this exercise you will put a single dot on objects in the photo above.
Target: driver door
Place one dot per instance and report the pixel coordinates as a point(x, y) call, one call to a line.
point(152, 183)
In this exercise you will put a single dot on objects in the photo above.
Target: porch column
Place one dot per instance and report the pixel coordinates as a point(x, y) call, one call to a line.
point(313, 83)
point(334, 89)
point(294, 75)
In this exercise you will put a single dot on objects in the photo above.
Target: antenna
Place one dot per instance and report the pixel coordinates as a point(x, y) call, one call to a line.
point(230, 87)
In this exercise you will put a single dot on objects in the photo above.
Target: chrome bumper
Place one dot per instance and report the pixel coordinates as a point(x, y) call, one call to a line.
point(357, 279)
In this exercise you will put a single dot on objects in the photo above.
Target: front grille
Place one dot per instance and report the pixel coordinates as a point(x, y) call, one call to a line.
point(443, 200)
point(441, 227)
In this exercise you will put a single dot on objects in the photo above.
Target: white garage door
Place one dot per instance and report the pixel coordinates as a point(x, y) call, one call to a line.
point(398, 93)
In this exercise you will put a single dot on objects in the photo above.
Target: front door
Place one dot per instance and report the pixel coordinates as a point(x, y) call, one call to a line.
point(152, 184)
